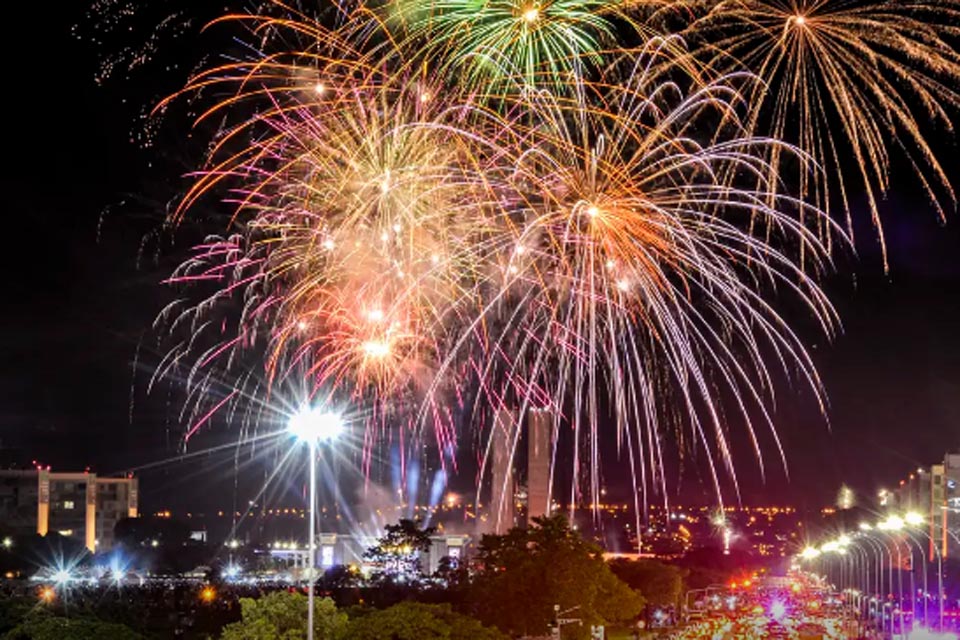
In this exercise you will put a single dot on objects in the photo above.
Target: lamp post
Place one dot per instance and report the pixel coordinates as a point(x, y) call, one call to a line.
point(313, 427)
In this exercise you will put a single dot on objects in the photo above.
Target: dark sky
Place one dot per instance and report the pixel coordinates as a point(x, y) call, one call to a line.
point(76, 299)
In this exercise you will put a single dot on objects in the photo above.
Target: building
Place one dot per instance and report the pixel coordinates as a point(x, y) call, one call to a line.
point(539, 455)
point(502, 513)
point(338, 549)
point(944, 513)
point(509, 466)
point(933, 493)
point(77, 505)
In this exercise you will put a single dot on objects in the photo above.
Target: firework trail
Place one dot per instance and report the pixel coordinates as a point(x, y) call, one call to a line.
point(843, 79)
point(440, 212)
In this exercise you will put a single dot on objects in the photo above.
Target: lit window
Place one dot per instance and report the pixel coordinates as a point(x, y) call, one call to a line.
point(326, 556)
point(68, 504)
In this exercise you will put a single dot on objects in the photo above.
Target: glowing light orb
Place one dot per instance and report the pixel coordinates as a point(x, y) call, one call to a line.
point(800, 20)
point(319, 89)
point(313, 425)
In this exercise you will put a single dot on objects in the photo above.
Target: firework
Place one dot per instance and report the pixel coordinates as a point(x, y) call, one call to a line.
point(844, 79)
point(399, 243)
point(531, 42)
point(634, 277)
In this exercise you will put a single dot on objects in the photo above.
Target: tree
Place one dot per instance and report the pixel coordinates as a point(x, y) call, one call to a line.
point(710, 565)
point(47, 627)
point(526, 572)
point(340, 577)
point(414, 621)
point(282, 615)
point(397, 553)
point(659, 583)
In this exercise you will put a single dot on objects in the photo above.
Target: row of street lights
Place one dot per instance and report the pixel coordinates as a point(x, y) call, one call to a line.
point(896, 531)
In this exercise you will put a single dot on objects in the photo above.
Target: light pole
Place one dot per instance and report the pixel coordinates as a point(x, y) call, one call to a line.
point(313, 427)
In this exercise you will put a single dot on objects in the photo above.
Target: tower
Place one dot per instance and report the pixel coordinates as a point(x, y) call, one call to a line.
point(539, 453)
point(501, 513)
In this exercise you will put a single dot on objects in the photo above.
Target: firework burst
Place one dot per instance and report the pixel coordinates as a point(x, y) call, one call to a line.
point(842, 79)
point(634, 276)
point(416, 251)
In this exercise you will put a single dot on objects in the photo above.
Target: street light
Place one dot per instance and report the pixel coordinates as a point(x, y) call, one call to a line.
point(913, 519)
point(313, 426)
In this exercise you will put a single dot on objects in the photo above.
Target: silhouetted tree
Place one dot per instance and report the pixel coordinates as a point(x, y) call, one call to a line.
point(525, 572)
point(397, 553)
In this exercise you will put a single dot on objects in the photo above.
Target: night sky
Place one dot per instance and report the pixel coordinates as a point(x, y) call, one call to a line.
point(80, 197)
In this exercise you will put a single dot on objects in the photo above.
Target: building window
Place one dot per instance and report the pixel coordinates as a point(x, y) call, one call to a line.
point(68, 504)
point(326, 556)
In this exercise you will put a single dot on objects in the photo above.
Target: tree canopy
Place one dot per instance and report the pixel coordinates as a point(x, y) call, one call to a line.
point(397, 553)
point(282, 615)
point(414, 621)
point(659, 583)
point(47, 627)
point(526, 572)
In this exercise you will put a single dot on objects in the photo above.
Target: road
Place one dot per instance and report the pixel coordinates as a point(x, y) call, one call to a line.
point(796, 607)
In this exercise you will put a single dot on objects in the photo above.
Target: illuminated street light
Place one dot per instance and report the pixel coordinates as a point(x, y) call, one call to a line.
point(7, 543)
point(913, 519)
point(313, 426)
